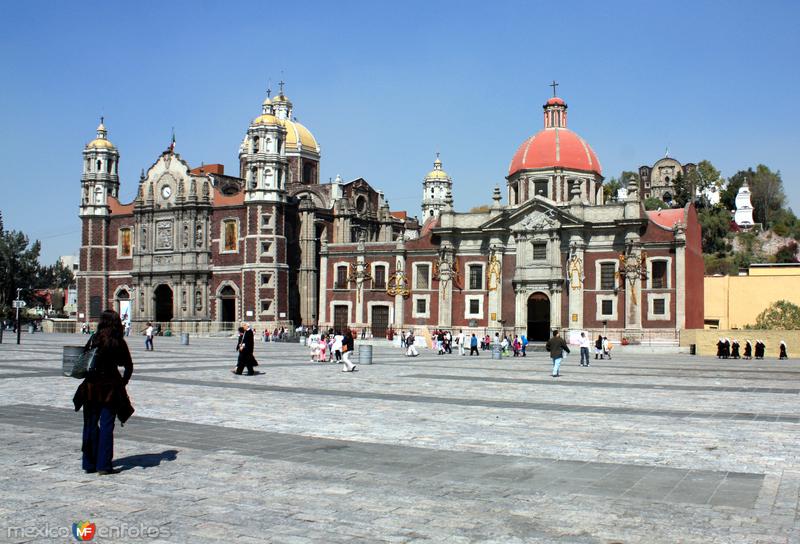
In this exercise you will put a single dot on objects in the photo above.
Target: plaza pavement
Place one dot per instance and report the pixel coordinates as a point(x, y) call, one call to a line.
point(641, 448)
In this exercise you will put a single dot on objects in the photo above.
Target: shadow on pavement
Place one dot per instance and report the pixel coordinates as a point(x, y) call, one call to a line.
point(145, 460)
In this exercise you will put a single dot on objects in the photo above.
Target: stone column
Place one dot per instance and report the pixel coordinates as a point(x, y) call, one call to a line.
point(680, 276)
point(308, 274)
point(555, 307)
point(495, 302)
point(446, 286)
point(633, 287)
point(575, 274)
point(520, 310)
point(323, 283)
point(399, 300)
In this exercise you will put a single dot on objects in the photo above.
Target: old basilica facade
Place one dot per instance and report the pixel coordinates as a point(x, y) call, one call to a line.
point(198, 250)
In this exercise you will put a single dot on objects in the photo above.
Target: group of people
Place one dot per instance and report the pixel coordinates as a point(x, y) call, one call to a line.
point(277, 335)
point(332, 347)
point(727, 349)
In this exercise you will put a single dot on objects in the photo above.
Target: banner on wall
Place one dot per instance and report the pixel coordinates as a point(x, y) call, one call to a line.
point(125, 311)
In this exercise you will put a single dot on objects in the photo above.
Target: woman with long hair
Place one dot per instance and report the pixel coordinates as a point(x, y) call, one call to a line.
point(102, 393)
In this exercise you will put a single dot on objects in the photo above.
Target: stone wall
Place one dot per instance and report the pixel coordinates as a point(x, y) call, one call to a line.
point(706, 340)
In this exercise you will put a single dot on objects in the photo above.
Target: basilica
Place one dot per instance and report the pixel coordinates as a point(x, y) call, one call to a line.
point(198, 250)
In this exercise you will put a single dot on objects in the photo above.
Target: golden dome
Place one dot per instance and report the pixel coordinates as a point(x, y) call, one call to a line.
point(437, 172)
point(266, 119)
point(295, 132)
point(281, 98)
point(100, 143)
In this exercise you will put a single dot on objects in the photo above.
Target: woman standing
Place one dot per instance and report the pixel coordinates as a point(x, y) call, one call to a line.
point(102, 394)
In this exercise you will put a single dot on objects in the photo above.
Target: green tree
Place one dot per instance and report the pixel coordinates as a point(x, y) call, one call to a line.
point(682, 190)
point(787, 253)
point(766, 192)
point(782, 315)
point(610, 189)
point(716, 226)
point(56, 276)
point(19, 266)
point(703, 179)
point(653, 203)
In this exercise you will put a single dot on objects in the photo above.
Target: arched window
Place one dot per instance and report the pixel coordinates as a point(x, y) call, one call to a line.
point(99, 165)
point(255, 144)
point(268, 145)
point(98, 195)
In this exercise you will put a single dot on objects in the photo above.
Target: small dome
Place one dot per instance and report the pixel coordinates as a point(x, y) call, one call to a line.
point(437, 173)
point(556, 101)
point(101, 142)
point(266, 119)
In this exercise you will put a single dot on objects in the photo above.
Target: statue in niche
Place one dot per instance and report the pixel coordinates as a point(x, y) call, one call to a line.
point(185, 234)
point(575, 272)
point(493, 272)
point(198, 236)
point(198, 301)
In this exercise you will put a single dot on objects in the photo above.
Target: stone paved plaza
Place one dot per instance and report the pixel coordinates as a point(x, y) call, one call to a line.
point(642, 448)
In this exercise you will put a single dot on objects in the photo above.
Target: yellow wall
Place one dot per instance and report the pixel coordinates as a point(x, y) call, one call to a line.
point(736, 301)
point(706, 340)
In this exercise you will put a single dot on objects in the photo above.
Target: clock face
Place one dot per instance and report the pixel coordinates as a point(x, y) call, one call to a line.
point(166, 191)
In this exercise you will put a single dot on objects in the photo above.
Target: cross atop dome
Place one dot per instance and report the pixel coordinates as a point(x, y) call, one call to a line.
point(555, 111)
point(554, 85)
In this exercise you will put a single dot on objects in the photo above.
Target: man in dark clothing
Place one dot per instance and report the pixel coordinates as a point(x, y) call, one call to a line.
point(556, 346)
point(246, 358)
point(473, 345)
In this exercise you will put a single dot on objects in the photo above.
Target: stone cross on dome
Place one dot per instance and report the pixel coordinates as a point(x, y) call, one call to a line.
point(553, 85)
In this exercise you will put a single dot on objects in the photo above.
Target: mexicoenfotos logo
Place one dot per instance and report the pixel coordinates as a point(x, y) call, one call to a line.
point(84, 530)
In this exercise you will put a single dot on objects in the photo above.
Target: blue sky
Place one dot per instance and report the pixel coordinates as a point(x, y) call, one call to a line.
point(384, 85)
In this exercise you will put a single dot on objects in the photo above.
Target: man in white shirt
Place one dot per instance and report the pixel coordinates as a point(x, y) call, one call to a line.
point(148, 337)
point(461, 339)
point(585, 345)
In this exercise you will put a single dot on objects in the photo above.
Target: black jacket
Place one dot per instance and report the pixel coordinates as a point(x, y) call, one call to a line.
point(105, 386)
point(556, 346)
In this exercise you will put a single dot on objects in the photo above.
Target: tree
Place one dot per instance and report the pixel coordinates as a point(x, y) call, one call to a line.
point(56, 276)
point(610, 189)
point(766, 192)
point(781, 315)
point(704, 178)
point(716, 225)
point(19, 266)
point(682, 191)
point(787, 253)
point(652, 203)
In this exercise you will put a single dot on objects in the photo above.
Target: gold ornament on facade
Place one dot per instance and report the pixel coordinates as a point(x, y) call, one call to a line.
point(575, 272)
point(493, 272)
point(398, 284)
point(358, 276)
point(633, 267)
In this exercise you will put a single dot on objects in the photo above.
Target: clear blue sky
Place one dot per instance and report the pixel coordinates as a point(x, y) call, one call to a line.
point(383, 85)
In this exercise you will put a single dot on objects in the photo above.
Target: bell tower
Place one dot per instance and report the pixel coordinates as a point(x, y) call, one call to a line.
point(262, 156)
point(100, 178)
point(435, 188)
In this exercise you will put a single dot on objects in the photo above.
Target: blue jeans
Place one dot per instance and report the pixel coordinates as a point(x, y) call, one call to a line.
point(98, 437)
point(556, 365)
point(148, 343)
point(585, 355)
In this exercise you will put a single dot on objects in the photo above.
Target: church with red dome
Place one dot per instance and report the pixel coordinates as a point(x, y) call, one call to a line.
point(198, 250)
point(556, 255)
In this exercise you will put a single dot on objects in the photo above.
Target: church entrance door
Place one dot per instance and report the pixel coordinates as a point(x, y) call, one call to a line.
point(163, 295)
point(538, 317)
point(227, 305)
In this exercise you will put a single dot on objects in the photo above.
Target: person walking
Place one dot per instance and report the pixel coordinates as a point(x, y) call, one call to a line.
point(585, 343)
point(748, 350)
point(524, 340)
point(461, 340)
point(347, 348)
point(148, 337)
point(782, 354)
point(336, 347)
point(735, 349)
point(102, 394)
point(245, 348)
point(607, 345)
point(598, 347)
point(556, 347)
point(411, 349)
point(473, 345)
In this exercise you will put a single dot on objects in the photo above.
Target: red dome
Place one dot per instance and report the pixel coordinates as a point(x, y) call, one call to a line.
point(556, 100)
point(555, 147)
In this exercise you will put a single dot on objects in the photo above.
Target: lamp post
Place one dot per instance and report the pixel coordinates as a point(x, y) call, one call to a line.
point(19, 325)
